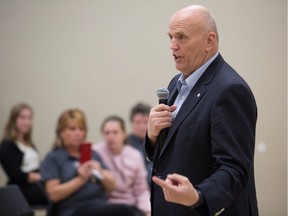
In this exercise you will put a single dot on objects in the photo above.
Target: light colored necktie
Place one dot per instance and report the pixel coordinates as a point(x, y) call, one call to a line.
point(183, 93)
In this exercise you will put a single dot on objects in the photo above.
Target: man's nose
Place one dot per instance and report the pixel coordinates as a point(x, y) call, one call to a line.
point(173, 44)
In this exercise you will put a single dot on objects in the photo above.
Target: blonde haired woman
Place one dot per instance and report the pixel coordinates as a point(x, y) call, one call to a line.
point(18, 155)
point(68, 183)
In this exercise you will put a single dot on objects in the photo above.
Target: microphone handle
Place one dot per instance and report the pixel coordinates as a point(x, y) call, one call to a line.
point(163, 132)
point(163, 101)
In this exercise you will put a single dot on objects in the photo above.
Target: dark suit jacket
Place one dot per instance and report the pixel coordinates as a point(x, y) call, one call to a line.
point(211, 141)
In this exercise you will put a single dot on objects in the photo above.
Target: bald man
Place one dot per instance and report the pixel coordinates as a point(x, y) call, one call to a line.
point(205, 163)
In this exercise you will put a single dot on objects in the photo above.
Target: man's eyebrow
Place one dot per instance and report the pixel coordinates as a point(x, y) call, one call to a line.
point(176, 34)
point(169, 35)
point(180, 33)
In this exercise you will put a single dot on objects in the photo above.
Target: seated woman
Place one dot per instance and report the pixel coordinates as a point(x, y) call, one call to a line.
point(127, 166)
point(71, 186)
point(19, 156)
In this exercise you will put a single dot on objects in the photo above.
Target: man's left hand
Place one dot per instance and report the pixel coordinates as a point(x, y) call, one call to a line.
point(177, 189)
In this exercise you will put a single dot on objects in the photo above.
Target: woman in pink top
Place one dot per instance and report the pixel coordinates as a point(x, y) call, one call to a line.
point(127, 166)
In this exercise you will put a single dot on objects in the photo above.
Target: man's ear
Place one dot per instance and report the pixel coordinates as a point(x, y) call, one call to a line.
point(211, 40)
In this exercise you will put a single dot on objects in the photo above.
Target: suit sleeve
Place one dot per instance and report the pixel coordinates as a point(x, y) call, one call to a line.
point(233, 120)
point(149, 148)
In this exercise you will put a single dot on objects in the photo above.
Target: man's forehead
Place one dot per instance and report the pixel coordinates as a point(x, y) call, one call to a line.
point(180, 26)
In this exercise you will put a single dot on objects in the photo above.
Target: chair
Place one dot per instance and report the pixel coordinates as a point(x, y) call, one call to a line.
point(39, 189)
point(13, 203)
point(46, 203)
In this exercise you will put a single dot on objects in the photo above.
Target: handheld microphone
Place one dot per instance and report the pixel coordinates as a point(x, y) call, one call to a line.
point(163, 95)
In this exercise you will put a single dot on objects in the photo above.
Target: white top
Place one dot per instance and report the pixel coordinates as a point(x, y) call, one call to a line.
point(31, 158)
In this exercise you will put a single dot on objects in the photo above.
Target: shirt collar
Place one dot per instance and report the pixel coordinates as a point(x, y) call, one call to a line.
point(65, 153)
point(193, 78)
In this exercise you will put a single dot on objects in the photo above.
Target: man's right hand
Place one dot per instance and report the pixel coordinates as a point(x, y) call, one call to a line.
point(160, 117)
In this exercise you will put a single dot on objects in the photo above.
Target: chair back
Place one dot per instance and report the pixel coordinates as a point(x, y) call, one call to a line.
point(13, 203)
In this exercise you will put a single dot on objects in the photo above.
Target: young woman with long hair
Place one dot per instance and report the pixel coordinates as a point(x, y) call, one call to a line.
point(19, 157)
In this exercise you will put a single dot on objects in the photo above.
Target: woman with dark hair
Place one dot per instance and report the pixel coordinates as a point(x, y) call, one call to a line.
point(19, 157)
point(127, 166)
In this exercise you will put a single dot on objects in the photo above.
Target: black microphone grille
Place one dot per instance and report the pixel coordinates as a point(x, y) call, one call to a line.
point(163, 93)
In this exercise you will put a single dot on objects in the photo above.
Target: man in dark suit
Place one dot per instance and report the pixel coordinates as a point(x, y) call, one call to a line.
point(205, 163)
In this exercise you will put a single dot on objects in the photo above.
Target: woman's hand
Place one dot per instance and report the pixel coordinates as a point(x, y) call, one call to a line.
point(34, 177)
point(58, 191)
point(85, 169)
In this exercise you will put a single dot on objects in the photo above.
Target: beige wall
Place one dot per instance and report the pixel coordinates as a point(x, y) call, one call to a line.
point(103, 56)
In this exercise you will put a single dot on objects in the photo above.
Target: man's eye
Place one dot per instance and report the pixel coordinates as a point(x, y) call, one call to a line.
point(181, 37)
point(178, 37)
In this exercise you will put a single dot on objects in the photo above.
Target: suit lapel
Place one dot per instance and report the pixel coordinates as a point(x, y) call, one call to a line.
point(195, 95)
point(190, 103)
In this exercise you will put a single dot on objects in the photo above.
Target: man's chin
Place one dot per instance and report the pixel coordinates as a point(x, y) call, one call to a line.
point(178, 67)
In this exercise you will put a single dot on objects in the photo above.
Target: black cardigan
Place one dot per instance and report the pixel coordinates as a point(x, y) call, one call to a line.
point(11, 160)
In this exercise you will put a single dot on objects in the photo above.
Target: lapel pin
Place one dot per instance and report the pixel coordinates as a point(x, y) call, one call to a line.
point(198, 95)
